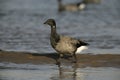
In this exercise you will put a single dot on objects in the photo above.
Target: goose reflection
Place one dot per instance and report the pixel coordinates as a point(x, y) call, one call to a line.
point(69, 72)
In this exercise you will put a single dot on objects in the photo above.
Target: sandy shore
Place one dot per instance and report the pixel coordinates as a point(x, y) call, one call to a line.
point(84, 60)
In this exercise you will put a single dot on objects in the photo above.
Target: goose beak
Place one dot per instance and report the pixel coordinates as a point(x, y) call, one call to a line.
point(45, 23)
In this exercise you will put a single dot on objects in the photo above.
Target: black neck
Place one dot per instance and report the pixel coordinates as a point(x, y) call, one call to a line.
point(53, 30)
point(54, 34)
point(60, 6)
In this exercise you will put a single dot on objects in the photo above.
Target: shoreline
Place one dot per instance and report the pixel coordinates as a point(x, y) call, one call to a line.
point(84, 60)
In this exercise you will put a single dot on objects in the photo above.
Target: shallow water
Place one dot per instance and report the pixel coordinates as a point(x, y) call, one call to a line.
point(22, 28)
point(13, 71)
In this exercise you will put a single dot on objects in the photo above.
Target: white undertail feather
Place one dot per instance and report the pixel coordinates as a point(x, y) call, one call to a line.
point(82, 6)
point(80, 49)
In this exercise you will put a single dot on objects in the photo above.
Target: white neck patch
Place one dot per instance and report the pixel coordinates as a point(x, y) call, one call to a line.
point(54, 27)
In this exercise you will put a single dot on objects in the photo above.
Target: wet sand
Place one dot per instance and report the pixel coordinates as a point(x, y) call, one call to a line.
point(84, 60)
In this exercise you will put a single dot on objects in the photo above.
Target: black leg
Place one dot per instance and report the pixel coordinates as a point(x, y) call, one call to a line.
point(75, 58)
point(58, 60)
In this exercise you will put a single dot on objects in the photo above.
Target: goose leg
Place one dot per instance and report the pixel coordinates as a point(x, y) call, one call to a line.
point(75, 58)
point(59, 59)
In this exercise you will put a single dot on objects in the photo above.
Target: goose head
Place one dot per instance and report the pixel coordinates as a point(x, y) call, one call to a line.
point(50, 22)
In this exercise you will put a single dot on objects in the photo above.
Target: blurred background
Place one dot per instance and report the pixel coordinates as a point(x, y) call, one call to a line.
point(22, 28)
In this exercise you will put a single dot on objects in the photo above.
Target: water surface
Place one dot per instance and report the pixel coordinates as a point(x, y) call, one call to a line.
point(13, 71)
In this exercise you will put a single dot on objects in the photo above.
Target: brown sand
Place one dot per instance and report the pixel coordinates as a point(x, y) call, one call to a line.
point(84, 60)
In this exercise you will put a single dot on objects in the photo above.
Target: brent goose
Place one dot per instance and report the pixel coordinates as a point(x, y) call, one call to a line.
point(71, 7)
point(64, 45)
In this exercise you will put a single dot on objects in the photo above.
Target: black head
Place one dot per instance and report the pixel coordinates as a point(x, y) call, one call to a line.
point(50, 22)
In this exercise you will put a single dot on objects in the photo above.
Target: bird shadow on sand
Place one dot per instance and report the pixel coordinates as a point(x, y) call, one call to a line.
point(54, 56)
point(49, 55)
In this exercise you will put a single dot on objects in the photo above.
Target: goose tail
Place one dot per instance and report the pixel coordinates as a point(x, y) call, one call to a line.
point(83, 43)
point(80, 49)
